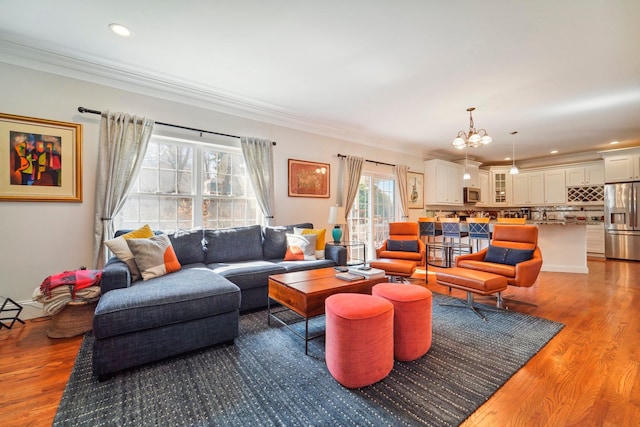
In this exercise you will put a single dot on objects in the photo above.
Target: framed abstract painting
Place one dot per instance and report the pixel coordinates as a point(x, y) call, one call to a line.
point(41, 160)
point(308, 179)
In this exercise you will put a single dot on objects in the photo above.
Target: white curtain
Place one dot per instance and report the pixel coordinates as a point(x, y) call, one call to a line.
point(258, 157)
point(122, 146)
point(401, 177)
point(352, 181)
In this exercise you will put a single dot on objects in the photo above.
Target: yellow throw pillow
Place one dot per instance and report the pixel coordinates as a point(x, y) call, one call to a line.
point(121, 250)
point(320, 241)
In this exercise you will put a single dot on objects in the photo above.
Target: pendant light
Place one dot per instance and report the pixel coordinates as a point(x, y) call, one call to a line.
point(466, 175)
point(514, 169)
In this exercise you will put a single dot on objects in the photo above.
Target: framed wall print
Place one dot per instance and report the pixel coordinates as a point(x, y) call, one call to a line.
point(415, 190)
point(41, 160)
point(308, 179)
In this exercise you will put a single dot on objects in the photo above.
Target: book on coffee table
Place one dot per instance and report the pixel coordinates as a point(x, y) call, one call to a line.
point(372, 273)
point(350, 277)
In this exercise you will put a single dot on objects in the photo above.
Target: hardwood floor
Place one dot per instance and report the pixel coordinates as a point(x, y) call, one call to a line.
point(588, 375)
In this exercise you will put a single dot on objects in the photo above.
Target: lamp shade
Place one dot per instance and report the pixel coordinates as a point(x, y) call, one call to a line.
point(336, 215)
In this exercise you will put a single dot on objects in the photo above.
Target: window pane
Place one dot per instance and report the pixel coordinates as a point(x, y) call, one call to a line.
point(167, 182)
point(148, 180)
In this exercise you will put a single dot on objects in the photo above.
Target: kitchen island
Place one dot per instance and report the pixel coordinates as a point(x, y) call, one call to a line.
point(563, 246)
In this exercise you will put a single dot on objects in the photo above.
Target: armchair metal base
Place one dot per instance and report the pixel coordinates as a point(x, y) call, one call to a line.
point(471, 306)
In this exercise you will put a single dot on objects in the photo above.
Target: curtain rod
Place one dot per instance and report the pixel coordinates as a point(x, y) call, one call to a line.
point(342, 156)
point(86, 110)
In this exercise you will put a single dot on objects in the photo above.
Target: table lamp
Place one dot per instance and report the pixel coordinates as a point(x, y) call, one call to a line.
point(336, 217)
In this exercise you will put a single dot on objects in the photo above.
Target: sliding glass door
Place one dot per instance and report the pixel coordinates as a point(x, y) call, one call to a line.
point(372, 211)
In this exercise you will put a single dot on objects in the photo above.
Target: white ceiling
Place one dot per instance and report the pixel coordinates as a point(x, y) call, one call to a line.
point(565, 74)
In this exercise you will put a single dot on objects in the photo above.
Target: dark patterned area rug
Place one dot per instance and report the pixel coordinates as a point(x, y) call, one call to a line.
point(266, 380)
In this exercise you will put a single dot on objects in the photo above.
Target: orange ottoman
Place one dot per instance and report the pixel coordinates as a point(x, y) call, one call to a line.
point(395, 267)
point(411, 318)
point(359, 338)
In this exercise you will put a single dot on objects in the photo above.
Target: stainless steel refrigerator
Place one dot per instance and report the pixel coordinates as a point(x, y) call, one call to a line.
point(622, 228)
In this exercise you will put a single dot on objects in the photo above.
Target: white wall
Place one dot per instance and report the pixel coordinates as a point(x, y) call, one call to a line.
point(39, 239)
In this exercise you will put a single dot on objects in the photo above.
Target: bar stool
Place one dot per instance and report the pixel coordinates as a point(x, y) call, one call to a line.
point(428, 233)
point(478, 231)
point(452, 239)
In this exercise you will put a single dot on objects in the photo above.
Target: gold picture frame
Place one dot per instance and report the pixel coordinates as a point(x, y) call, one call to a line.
point(415, 190)
point(41, 160)
point(308, 179)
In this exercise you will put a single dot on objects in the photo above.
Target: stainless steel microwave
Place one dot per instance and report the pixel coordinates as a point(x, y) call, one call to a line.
point(471, 195)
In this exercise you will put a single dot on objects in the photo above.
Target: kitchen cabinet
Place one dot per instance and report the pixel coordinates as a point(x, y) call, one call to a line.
point(622, 166)
point(528, 188)
point(443, 183)
point(595, 239)
point(483, 184)
point(500, 183)
point(588, 174)
point(555, 191)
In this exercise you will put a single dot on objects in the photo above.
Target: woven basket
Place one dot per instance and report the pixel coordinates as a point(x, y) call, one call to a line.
point(75, 319)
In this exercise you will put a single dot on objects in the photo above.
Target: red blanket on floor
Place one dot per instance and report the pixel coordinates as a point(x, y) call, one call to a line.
point(77, 279)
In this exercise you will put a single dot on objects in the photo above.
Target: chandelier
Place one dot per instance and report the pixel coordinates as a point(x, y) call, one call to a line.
point(475, 138)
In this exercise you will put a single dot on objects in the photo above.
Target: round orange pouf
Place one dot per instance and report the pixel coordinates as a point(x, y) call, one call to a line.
point(411, 318)
point(359, 338)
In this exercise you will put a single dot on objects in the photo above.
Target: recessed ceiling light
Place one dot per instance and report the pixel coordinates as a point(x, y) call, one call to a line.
point(120, 30)
point(554, 151)
point(507, 158)
point(614, 142)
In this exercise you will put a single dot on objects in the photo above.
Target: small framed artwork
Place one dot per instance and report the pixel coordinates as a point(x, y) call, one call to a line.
point(41, 160)
point(415, 190)
point(308, 179)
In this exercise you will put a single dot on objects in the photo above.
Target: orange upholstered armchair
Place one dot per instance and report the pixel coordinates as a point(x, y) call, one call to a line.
point(519, 237)
point(403, 231)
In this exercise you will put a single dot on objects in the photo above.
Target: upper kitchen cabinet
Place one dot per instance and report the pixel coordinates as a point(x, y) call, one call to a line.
point(621, 165)
point(528, 188)
point(500, 186)
point(443, 183)
point(555, 192)
point(484, 186)
point(587, 174)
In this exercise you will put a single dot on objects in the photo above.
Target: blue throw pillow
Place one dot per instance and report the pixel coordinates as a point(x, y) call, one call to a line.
point(508, 256)
point(402, 245)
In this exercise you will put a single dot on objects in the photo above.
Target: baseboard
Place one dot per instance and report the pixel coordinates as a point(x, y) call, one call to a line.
point(565, 269)
point(30, 310)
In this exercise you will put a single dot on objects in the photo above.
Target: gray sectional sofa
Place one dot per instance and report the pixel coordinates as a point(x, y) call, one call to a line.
point(224, 272)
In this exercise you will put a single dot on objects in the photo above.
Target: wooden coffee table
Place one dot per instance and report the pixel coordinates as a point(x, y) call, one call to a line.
point(304, 292)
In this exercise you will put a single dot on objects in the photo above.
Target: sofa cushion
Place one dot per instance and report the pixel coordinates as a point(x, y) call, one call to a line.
point(191, 293)
point(154, 256)
point(188, 245)
point(121, 250)
point(275, 239)
point(234, 244)
point(248, 274)
point(402, 245)
point(301, 247)
point(291, 266)
point(509, 256)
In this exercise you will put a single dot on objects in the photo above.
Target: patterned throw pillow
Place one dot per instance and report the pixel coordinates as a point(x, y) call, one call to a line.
point(320, 241)
point(121, 250)
point(301, 247)
point(402, 245)
point(509, 256)
point(154, 256)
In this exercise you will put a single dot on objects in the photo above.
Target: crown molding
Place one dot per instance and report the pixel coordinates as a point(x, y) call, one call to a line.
point(96, 70)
